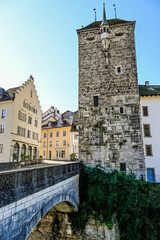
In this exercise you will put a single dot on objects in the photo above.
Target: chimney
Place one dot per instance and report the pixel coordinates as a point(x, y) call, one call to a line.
point(147, 83)
point(55, 111)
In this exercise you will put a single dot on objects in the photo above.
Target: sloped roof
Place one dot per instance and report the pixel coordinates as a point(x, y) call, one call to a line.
point(150, 90)
point(9, 94)
point(54, 124)
point(111, 22)
point(12, 90)
point(7, 98)
point(66, 115)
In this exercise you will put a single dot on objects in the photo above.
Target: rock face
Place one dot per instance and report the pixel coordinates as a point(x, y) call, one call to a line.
point(57, 225)
point(109, 116)
point(54, 225)
point(95, 230)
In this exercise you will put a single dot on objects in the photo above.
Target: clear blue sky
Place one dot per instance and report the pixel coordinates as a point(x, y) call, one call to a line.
point(38, 37)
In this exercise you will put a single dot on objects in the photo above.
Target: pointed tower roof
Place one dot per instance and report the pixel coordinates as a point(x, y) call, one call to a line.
point(104, 21)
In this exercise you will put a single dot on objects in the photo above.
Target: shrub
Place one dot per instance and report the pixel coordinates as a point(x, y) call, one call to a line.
point(103, 194)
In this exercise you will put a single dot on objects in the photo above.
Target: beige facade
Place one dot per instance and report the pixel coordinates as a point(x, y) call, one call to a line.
point(20, 127)
point(59, 139)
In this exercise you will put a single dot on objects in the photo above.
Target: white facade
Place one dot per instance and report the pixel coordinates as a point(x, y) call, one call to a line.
point(74, 143)
point(151, 124)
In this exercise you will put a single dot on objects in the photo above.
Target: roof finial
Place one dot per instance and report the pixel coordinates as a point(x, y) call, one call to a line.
point(95, 14)
point(104, 21)
point(115, 10)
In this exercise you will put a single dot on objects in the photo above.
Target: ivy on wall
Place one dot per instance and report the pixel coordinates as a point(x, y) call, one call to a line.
point(136, 203)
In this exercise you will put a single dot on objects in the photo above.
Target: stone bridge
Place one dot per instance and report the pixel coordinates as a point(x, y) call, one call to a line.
point(26, 195)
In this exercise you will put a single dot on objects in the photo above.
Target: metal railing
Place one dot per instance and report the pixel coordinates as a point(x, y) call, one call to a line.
point(17, 184)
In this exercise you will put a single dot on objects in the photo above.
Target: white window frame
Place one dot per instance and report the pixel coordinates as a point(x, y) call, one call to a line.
point(2, 127)
point(64, 133)
point(4, 110)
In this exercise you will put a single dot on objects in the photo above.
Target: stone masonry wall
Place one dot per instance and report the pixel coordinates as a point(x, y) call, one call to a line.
point(106, 136)
point(57, 225)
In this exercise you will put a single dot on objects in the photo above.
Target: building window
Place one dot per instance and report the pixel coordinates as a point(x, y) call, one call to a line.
point(44, 144)
point(51, 134)
point(29, 120)
point(21, 131)
point(62, 154)
point(121, 109)
point(50, 143)
point(1, 148)
point(31, 93)
point(150, 175)
point(95, 100)
point(147, 132)
point(64, 133)
point(44, 135)
point(57, 134)
point(64, 143)
point(22, 116)
point(36, 123)
point(1, 128)
point(29, 134)
point(118, 69)
point(57, 143)
point(50, 155)
point(3, 113)
point(35, 136)
point(123, 167)
point(44, 153)
point(148, 150)
point(145, 111)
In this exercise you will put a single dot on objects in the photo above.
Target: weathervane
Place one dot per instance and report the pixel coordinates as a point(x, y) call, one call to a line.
point(95, 14)
point(115, 10)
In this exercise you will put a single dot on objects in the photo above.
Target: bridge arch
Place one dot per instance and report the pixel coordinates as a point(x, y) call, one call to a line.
point(59, 199)
point(36, 191)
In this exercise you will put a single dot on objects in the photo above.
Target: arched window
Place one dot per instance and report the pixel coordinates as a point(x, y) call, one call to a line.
point(16, 152)
point(35, 152)
point(23, 152)
point(30, 152)
point(104, 29)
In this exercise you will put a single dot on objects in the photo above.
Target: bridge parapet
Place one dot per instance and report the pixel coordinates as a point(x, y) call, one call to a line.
point(18, 184)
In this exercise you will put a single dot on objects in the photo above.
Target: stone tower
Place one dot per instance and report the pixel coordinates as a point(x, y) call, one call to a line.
point(109, 115)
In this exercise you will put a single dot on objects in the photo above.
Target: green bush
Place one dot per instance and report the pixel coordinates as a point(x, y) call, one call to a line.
point(134, 202)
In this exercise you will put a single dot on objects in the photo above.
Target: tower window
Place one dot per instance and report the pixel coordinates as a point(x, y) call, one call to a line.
point(122, 167)
point(121, 109)
point(95, 99)
point(118, 69)
point(104, 29)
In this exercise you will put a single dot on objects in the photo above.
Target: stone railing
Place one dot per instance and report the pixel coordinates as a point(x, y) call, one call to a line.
point(17, 184)
point(9, 165)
